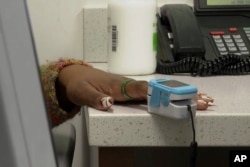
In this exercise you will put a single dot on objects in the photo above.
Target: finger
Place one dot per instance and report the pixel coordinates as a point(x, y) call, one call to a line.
point(107, 101)
point(86, 94)
point(200, 94)
point(205, 97)
point(139, 89)
point(135, 90)
point(201, 104)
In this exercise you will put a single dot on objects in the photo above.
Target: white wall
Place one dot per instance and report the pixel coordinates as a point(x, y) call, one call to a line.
point(58, 31)
point(103, 3)
point(57, 27)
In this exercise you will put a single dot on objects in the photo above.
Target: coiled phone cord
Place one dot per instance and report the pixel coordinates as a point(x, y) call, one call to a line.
point(230, 64)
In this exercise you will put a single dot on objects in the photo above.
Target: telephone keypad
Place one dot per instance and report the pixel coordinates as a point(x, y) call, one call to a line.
point(231, 43)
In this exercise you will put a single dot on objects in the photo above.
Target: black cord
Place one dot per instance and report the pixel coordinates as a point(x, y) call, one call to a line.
point(230, 64)
point(193, 145)
point(192, 119)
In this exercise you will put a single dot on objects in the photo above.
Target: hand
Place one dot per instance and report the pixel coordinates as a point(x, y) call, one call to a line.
point(203, 101)
point(80, 85)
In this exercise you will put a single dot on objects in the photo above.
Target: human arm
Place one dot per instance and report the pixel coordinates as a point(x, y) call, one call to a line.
point(49, 78)
point(88, 86)
point(69, 84)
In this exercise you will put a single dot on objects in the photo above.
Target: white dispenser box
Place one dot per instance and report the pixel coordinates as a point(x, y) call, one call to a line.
point(132, 37)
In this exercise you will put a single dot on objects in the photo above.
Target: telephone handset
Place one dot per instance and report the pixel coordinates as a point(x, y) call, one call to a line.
point(183, 31)
point(181, 46)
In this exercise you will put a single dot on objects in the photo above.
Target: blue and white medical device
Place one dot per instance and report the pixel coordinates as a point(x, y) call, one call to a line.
point(170, 98)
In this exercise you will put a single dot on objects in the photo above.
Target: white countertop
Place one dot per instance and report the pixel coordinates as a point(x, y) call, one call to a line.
point(225, 123)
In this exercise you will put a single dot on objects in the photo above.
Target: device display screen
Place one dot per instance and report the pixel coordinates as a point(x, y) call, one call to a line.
point(173, 83)
point(228, 2)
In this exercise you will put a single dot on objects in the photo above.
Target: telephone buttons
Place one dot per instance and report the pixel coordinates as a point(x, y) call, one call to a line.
point(170, 35)
point(223, 53)
point(246, 28)
point(233, 29)
point(218, 40)
point(245, 53)
point(222, 49)
point(217, 33)
point(236, 36)
point(241, 44)
point(219, 45)
point(230, 43)
point(232, 49)
point(238, 40)
point(228, 40)
point(216, 36)
point(243, 48)
point(247, 32)
point(226, 36)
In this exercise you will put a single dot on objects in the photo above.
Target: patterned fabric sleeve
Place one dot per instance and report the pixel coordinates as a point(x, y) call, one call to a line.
point(49, 74)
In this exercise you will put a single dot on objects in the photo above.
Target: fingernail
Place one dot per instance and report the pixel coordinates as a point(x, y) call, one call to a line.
point(106, 102)
point(202, 101)
point(207, 98)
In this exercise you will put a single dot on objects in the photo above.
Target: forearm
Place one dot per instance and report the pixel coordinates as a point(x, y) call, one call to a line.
point(59, 108)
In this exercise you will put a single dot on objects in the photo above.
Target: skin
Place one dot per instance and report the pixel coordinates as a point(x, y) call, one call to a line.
point(81, 85)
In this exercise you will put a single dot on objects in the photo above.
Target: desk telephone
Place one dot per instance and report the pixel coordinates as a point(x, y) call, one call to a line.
point(206, 43)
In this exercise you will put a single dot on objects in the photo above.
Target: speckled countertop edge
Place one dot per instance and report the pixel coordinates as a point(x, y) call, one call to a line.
point(227, 123)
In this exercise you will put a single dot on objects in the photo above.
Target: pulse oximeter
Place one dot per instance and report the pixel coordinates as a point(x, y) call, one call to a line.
point(170, 98)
